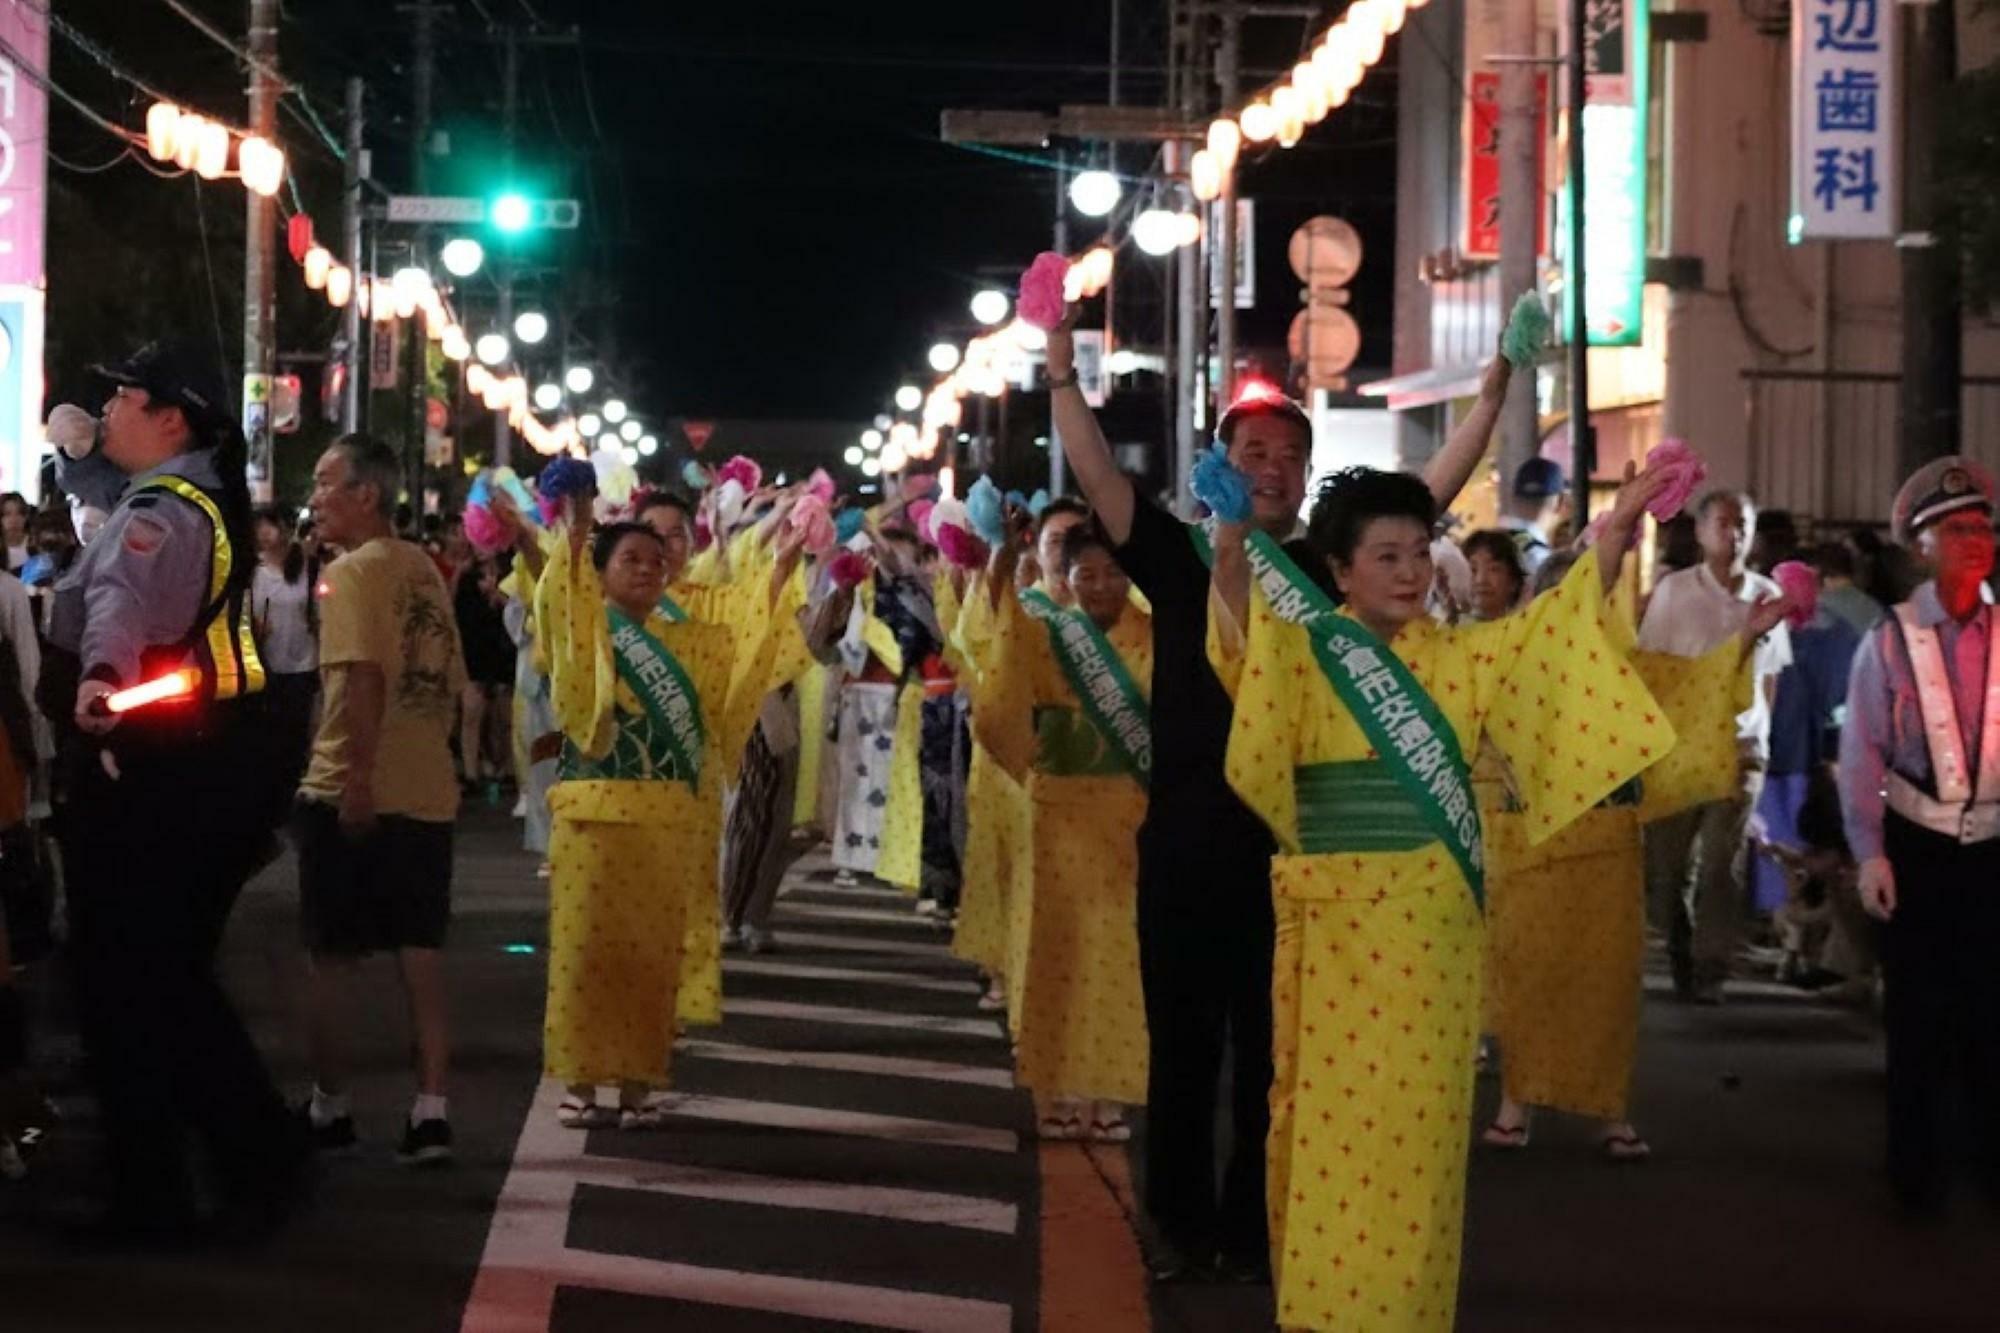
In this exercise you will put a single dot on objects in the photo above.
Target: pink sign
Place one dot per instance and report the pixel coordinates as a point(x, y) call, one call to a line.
point(24, 127)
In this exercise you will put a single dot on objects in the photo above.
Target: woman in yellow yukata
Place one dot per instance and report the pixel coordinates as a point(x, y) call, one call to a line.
point(1348, 739)
point(1064, 709)
point(654, 709)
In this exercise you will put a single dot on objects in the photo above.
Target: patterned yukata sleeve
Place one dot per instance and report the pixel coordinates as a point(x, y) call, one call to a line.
point(1003, 699)
point(1277, 684)
point(1701, 696)
point(575, 649)
point(1573, 716)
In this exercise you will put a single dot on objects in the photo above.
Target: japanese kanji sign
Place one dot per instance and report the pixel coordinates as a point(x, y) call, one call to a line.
point(1616, 36)
point(1843, 120)
point(1482, 166)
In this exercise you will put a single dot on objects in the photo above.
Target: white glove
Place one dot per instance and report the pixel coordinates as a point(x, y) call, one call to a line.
point(72, 430)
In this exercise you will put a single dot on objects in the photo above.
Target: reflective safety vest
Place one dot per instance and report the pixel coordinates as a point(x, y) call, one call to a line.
point(1964, 799)
point(222, 636)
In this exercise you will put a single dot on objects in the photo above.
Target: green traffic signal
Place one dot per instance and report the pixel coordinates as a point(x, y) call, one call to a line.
point(511, 212)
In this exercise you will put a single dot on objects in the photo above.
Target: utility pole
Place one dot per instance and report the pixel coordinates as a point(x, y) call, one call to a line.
point(1520, 205)
point(1228, 61)
point(1191, 304)
point(423, 75)
point(260, 275)
point(503, 268)
point(1056, 468)
point(1582, 435)
point(1929, 423)
point(353, 172)
point(423, 79)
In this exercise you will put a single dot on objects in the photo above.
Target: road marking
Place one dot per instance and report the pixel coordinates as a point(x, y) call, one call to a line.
point(836, 891)
point(841, 1016)
point(889, 1066)
point(853, 1124)
point(527, 1258)
point(792, 939)
point(860, 916)
point(968, 1212)
point(758, 967)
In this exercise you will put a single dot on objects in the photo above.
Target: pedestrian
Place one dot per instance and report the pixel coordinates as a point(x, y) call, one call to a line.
point(1499, 576)
point(1084, 757)
point(1346, 740)
point(373, 823)
point(168, 811)
point(1838, 591)
point(485, 705)
point(1920, 796)
point(1697, 861)
point(286, 614)
point(1206, 926)
point(15, 513)
point(1533, 508)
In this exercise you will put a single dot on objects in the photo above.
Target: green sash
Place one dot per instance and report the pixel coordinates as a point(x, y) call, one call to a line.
point(670, 610)
point(1110, 697)
point(663, 687)
point(1400, 720)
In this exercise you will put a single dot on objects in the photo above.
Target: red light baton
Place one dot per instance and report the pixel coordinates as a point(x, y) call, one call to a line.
point(173, 685)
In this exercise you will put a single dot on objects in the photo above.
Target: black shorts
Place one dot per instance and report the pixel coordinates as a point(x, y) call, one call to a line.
point(388, 890)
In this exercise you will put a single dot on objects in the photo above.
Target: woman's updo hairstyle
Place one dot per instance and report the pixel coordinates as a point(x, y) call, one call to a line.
point(1350, 499)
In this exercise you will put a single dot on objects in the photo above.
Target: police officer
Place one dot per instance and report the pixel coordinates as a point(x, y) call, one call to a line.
point(1920, 794)
point(167, 811)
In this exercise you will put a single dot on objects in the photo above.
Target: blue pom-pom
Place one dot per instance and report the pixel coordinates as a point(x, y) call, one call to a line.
point(1018, 499)
point(1527, 331)
point(847, 524)
point(1038, 502)
point(694, 476)
point(983, 509)
point(1217, 483)
point(565, 477)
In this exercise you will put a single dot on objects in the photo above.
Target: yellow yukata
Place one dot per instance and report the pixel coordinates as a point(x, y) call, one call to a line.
point(633, 913)
point(1073, 955)
point(1376, 979)
point(996, 808)
point(1566, 919)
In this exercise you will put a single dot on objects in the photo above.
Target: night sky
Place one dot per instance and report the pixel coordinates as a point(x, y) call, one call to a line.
point(772, 228)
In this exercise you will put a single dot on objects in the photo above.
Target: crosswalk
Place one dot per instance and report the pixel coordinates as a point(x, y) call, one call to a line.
point(846, 1151)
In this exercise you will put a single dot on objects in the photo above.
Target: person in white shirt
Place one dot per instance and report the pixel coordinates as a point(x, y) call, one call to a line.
point(1695, 860)
point(281, 604)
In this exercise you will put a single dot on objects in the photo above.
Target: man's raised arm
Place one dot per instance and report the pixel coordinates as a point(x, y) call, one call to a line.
point(1089, 455)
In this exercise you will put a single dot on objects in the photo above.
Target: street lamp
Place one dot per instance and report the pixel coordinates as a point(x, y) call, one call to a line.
point(531, 326)
point(871, 440)
point(630, 430)
point(630, 455)
point(588, 425)
point(492, 348)
point(1095, 193)
point(871, 467)
point(943, 358)
point(548, 397)
point(853, 456)
point(1157, 231)
point(614, 410)
point(909, 398)
point(579, 379)
point(990, 307)
point(648, 446)
point(462, 256)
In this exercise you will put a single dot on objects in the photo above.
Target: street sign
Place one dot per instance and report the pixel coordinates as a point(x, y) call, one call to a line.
point(436, 208)
point(698, 433)
point(468, 210)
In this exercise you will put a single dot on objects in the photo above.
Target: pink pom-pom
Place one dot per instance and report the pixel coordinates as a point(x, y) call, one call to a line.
point(920, 518)
point(1686, 472)
point(743, 470)
point(960, 547)
point(847, 569)
point(814, 524)
point(821, 485)
point(1800, 584)
point(1041, 301)
point(484, 530)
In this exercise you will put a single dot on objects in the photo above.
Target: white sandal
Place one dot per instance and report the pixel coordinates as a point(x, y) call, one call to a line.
point(651, 1116)
point(576, 1113)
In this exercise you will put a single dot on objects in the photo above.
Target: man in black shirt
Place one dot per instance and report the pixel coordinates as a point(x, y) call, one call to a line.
point(1205, 916)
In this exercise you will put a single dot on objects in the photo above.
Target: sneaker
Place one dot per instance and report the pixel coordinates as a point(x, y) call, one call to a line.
point(927, 907)
point(758, 941)
point(427, 1144)
point(732, 937)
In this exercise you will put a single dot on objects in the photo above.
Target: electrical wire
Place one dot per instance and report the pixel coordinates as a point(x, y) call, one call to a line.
point(41, 80)
point(307, 114)
point(81, 170)
point(208, 264)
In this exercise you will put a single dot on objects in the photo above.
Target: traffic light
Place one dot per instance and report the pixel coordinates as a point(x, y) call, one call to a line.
point(513, 212)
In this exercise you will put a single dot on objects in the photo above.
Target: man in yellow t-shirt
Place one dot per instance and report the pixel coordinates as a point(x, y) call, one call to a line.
point(375, 811)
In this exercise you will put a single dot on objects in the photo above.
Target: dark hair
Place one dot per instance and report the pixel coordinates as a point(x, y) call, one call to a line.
point(371, 462)
point(295, 554)
point(18, 499)
point(664, 499)
point(1084, 537)
point(1062, 504)
point(1833, 560)
point(1267, 405)
point(1350, 499)
point(605, 543)
point(1499, 546)
point(1715, 497)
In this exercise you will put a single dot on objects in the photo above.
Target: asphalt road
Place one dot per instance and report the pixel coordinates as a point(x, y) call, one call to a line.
point(848, 1152)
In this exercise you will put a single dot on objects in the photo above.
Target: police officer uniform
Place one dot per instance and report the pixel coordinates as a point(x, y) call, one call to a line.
point(166, 816)
point(1920, 785)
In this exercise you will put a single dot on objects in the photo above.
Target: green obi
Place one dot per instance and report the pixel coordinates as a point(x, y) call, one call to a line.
point(1069, 745)
point(639, 753)
point(1356, 807)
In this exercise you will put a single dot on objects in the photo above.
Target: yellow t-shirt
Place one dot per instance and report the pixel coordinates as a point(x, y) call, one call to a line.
point(386, 603)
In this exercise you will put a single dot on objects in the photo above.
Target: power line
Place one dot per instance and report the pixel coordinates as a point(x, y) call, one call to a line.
point(311, 117)
point(41, 80)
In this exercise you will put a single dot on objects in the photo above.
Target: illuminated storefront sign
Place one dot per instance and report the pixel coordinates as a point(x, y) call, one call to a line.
point(1614, 170)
